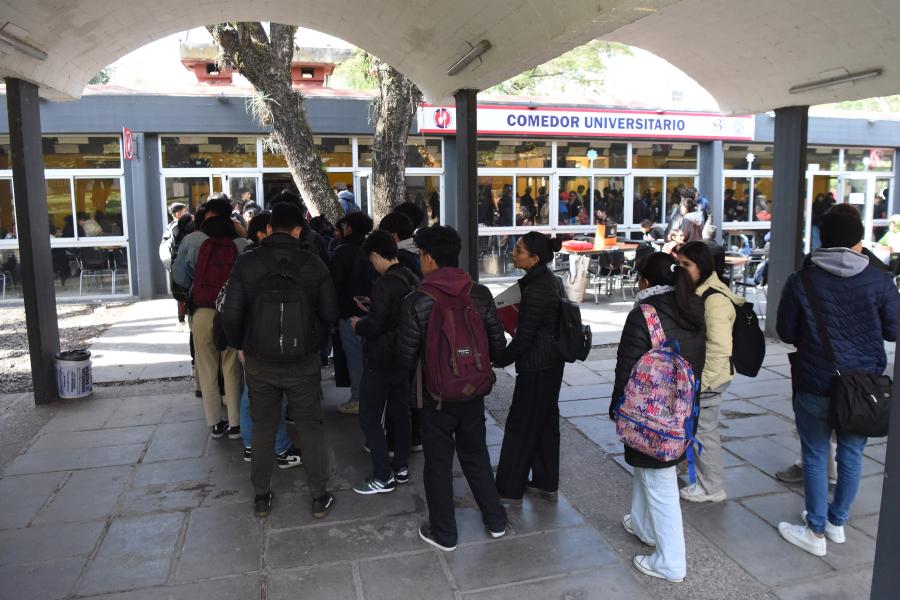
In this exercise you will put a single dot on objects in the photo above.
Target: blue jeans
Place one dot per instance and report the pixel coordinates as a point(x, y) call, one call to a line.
point(811, 414)
point(282, 441)
point(353, 350)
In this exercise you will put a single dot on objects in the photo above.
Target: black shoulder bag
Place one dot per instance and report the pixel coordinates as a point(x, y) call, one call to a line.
point(860, 402)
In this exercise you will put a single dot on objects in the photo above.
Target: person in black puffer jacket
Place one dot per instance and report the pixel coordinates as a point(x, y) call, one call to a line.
point(655, 516)
point(384, 391)
point(531, 438)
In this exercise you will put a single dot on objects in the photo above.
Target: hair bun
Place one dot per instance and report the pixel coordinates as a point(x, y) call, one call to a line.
point(556, 244)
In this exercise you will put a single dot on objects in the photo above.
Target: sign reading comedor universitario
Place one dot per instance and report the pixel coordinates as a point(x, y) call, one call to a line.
point(598, 122)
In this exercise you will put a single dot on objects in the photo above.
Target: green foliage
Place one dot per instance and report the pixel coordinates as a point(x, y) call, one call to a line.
point(889, 104)
point(581, 67)
point(102, 77)
point(358, 72)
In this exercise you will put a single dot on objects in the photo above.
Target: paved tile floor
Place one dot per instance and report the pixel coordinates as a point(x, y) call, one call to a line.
point(125, 496)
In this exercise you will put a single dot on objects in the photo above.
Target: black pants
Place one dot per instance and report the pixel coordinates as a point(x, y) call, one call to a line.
point(531, 439)
point(383, 398)
point(299, 382)
point(459, 427)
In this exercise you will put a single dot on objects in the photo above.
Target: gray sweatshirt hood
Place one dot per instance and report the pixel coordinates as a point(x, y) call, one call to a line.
point(842, 262)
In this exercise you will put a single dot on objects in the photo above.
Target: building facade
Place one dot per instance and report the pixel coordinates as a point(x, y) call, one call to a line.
point(556, 169)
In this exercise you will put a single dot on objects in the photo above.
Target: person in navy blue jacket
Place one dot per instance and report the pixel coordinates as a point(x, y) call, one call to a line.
point(859, 308)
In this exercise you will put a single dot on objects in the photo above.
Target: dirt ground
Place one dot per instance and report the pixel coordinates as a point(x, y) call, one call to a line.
point(79, 326)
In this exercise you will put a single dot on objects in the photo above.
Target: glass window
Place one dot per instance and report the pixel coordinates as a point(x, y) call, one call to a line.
point(737, 199)
point(608, 200)
point(738, 157)
point(826, 158)
point(645, 155)
point(98, 204)
point(574, 155)
point(335, 152)
point(762, 198)
point(882, 189)
point(188, 151)
point(81, 152)
point(425, 192)
point(99, 271)
point(514, 153)
point(869, 159)
point(341, 181)
point(495, 195)
point(574, 200)
point(191, 191)
point(59, 208)
point(648, 200)
point(243, 189)
point(424, 153)
point(855, 192)
point(532, 200)
point(674, 186)
point(420, 152)
point(5, 152)
point(495, 256)
point(7, 211)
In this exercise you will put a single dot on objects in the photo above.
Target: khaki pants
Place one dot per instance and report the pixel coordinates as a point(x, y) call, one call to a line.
point(208, 360)
point(710, 468)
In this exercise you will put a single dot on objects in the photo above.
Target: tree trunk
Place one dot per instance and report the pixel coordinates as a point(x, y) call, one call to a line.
point(265, 60)
point(394, 110)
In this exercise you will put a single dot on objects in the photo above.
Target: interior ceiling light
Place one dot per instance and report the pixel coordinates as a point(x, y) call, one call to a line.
point(824, 83)
point(476, 52)
point(9, 41)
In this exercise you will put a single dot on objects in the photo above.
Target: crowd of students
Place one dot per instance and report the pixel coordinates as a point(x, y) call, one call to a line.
point(415, 339)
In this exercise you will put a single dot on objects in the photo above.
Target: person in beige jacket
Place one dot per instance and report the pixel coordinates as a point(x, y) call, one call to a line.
point(719, 302)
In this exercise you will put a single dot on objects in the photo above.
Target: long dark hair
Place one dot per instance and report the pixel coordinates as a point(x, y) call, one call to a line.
point(699, 253)
point(541, 246)
point(660, 268)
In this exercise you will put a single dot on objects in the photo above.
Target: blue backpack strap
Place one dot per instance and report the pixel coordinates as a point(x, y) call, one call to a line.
point(689, 434)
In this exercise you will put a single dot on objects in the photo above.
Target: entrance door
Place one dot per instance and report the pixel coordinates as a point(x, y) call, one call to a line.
point(240, 186)
point(363, 193)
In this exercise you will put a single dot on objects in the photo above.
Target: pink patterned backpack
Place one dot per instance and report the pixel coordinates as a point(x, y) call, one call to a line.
point(657, 413)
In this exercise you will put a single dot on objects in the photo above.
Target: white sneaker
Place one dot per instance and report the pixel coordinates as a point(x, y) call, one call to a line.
point(802, 537)
point(834, 533)
point(641, 563)
point(696, 493)
point(626, 523)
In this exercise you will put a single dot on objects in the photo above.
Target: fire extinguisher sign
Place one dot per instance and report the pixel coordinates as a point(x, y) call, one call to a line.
point(128, 143)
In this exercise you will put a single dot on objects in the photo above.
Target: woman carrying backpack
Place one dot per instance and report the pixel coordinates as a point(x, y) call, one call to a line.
point(531, 439)
point(718, 307)
point(655, 517)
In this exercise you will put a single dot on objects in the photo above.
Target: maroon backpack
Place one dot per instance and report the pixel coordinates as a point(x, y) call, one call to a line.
point(457, 363)
point(214, 262)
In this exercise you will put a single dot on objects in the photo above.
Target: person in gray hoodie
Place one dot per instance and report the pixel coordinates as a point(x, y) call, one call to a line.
point(858, 306)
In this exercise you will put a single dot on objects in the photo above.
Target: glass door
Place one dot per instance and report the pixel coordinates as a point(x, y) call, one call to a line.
point(246, 187)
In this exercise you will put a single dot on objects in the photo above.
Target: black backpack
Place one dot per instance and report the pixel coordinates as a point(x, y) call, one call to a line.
point(282, 325)
point(748, 342)
point(574, 340)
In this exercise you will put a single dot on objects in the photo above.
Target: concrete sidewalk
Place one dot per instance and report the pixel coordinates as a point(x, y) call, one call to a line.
point(124, 496)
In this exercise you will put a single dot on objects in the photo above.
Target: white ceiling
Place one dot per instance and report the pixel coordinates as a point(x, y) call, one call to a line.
point(746, 54)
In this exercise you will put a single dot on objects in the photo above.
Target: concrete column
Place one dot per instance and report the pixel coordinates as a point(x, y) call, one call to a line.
point(789, 193)
point(886, 572)
point(710, 159)
point(464, 217)
point(33, 223)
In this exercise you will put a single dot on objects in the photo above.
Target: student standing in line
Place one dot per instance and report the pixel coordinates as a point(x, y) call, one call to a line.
point(205, 258)
point(531, 438)
point(718, 302)
point(449, 427)
point(279, 303)
point(384, 393)
point(857, 304)
point(655, 517)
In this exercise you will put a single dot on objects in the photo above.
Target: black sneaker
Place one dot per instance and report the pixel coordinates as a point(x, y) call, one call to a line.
point(262, 504)
point(322, 506)
point(545, 494)
point(427, 537)
point(289, 458)
point(496, 534)
point(198, 393)
point(234, 432)
point(218, 430)
point(402, 476)
point(248, 454)
point(376, 486)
